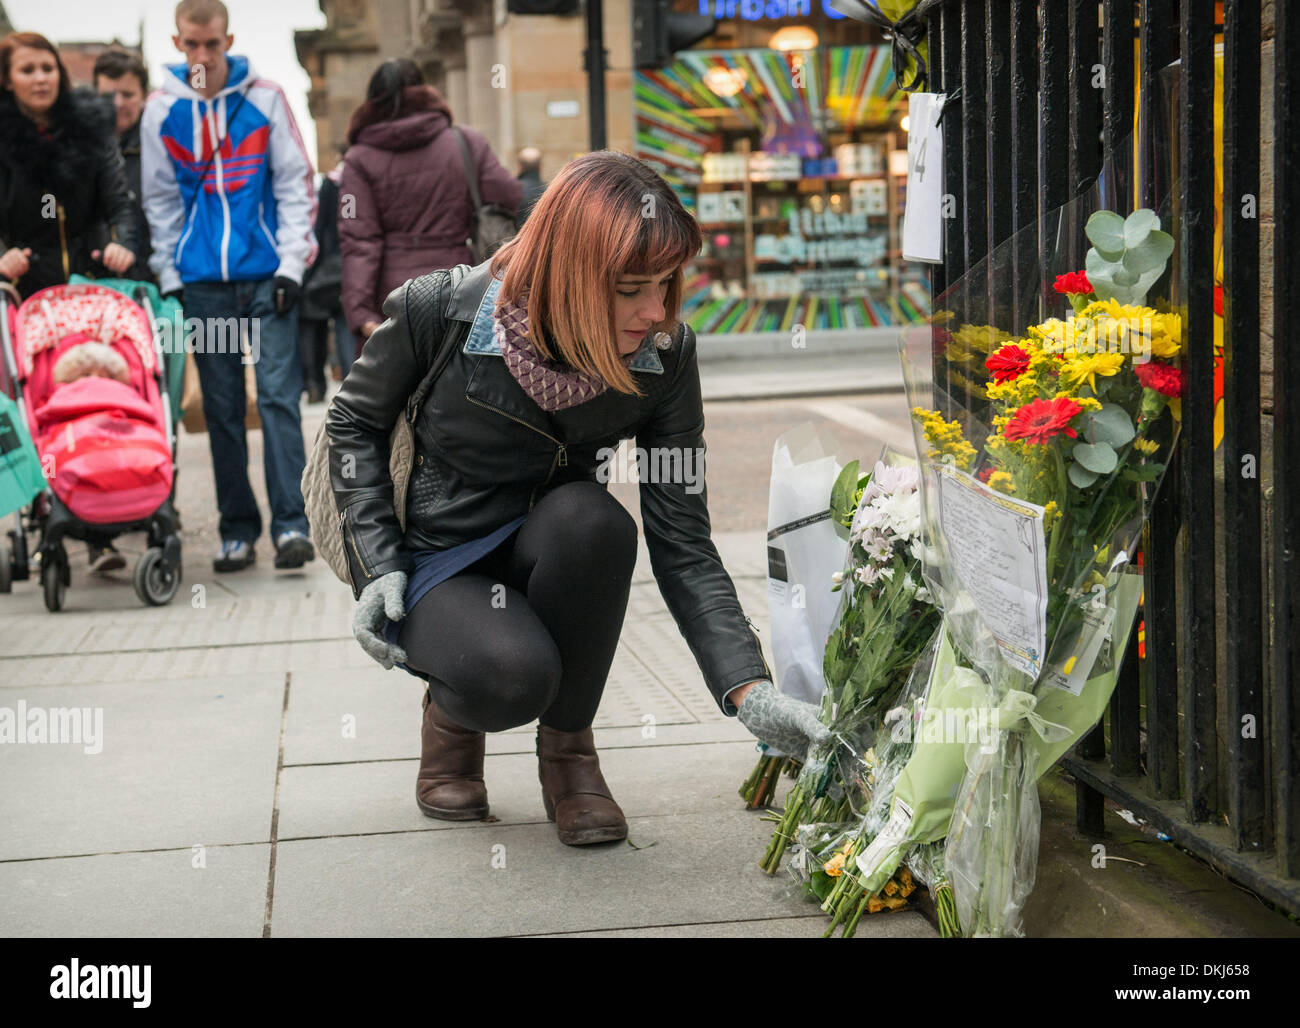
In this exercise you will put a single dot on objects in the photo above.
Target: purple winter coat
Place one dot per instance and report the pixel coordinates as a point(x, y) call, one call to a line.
point(411, 206)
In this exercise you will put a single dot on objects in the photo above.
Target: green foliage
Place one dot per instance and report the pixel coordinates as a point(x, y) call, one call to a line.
point(844, 498)
point(1127, 254)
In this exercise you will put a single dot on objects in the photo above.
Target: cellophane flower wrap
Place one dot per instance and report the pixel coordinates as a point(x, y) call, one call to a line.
point(886, 619)
point(1044, 421)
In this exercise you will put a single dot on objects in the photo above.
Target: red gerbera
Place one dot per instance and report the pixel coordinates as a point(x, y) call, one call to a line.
point(1008, 362)
point(1163, 378)
point(1075, 282)
point(1042, 420)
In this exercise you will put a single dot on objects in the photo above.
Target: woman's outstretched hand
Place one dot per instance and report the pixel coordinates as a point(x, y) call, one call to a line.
point(384, 597)
point(781, 721)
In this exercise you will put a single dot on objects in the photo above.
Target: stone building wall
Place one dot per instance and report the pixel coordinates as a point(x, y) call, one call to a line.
point(497, 71)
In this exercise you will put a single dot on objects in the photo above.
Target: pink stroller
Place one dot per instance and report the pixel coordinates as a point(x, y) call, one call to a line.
point(107, 447)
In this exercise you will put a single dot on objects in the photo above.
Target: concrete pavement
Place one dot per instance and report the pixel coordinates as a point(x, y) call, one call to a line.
point(256, 772)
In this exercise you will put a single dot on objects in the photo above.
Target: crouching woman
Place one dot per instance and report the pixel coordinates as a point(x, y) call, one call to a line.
point(507, 589)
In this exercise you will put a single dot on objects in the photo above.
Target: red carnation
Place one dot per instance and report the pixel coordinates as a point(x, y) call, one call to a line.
point(986, 474)
point(1009, 362)
point(1075, 282)
point(1163, 378)
point(1042, 420)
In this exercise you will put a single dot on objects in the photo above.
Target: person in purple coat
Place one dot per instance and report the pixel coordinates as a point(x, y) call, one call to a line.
point(404, 205)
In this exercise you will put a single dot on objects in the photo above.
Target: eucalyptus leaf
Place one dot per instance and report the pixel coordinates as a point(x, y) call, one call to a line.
point(1105, 231)
point(1138, 225)
point(1081, 476)
point(1111, 425)
point(1124, 276)
point(1151, 252)
point(1099, 458)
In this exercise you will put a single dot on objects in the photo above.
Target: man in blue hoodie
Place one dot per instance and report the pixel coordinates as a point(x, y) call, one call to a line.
point(227, 187)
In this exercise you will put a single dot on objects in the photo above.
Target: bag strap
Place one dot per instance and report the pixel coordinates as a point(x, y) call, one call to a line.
point(471, 172)
point(431, 319)
point(194, 194)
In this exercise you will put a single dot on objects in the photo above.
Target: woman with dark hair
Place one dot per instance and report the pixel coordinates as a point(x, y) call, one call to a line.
point(507, 588)
point(405, 206)
point(63, 186)
point(61, 173)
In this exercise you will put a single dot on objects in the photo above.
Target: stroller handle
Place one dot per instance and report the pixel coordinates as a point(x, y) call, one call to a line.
point(141, 296)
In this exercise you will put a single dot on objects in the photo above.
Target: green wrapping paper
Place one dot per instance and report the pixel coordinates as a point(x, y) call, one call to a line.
point(959, 725)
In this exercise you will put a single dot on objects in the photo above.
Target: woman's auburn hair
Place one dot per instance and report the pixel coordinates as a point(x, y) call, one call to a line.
point(606, 215)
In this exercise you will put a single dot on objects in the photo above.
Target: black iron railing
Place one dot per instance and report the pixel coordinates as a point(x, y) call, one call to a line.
point(1226, 788)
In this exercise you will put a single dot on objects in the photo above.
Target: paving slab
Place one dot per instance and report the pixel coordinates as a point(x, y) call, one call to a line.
point(898, 924)
point(176, 661)
point(182, 762)
point(691, 869)
point(135, 895)
point(372, 714)
point(353, 799)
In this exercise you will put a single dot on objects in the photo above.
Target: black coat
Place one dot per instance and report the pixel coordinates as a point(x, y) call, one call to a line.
point(485, 452)
point(129, 145)
point(75, 175)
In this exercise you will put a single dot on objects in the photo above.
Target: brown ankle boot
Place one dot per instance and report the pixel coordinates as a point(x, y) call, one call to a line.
point(450, 783)
point(573, 789)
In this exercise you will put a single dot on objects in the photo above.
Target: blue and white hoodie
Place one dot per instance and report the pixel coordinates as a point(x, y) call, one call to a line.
point(252, 217)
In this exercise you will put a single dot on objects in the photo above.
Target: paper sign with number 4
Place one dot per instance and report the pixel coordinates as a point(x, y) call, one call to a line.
point(922, 217)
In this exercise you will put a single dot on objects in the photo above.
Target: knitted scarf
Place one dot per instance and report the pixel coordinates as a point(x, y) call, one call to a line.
point(553, 385)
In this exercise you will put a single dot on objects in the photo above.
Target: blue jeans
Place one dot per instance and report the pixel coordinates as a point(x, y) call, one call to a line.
point(279, 387)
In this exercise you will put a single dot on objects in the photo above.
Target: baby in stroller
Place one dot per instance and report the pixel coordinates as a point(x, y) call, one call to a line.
point(89, 372)
point(80, 360)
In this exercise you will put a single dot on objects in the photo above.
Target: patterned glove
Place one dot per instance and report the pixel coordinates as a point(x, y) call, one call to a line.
point(778, 720)
point(385, 596)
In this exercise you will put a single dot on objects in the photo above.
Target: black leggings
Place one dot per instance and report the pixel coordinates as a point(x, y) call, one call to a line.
point(529, 630)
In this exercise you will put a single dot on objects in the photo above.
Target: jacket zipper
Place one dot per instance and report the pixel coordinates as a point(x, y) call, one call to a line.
point(766, 666)
point(343, 524)
point(561, 458)
point(63, 241)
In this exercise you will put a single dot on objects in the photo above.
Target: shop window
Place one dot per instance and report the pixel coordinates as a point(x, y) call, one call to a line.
point(789, 162)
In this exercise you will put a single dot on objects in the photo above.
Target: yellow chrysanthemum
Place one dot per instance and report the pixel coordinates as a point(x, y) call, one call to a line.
point(1086, 368)
point(1166, 335)
point(1147, 446)
point(1055, 334)
point(1118, 311)
point(1051, 513)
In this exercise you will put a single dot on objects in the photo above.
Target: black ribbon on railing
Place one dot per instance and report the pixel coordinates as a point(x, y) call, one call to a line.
point(903, 35)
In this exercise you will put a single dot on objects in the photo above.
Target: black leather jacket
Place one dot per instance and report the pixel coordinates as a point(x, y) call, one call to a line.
point(485, 453)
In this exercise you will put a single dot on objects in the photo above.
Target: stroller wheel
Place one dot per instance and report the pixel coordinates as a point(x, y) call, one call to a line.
point(154, 585)
point(6, 569)
point(54, 578)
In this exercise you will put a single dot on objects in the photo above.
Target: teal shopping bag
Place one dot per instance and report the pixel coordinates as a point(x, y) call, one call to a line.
point(21, 478)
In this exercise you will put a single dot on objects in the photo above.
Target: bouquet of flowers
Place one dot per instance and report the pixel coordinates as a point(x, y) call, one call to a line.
point(886, 619)
point(1032, 536)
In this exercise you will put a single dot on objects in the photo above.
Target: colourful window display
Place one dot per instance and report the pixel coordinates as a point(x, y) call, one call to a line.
point(794, 163)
